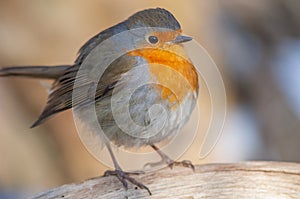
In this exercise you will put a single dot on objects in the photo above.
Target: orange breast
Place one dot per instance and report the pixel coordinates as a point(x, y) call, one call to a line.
point(175, 74)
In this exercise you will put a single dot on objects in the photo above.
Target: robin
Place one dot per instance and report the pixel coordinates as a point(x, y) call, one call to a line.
point(157, 67)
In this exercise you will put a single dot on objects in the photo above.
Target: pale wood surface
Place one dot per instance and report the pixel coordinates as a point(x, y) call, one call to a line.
point(237, 180)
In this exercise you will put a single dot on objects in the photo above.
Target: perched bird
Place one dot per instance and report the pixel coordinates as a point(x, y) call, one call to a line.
point(152, 69)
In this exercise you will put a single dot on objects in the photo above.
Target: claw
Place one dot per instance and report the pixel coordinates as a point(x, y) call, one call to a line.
point(184, 163)
point(113, 172)
point(166, 160)
point(171, 164)
point(124, 177)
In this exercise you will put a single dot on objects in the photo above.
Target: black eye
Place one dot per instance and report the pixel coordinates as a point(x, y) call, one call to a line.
point(153, 39)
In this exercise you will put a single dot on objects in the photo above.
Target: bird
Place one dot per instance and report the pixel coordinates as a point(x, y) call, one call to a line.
point(153, 68)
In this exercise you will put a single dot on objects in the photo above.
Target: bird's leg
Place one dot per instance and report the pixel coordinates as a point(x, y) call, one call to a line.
point(165, 159)
point(121, 175)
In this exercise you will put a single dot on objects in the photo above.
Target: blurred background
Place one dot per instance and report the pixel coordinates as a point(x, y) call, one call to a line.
point(256, 45)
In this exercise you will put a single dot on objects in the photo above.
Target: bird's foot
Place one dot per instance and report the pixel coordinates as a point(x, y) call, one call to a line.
point(183, 163)
point(171, 163)
point(124, 177)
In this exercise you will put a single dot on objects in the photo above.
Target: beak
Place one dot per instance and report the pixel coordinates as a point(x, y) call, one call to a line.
point(181, 39)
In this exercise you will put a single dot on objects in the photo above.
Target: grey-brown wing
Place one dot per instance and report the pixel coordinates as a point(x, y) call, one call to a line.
point(62, 96)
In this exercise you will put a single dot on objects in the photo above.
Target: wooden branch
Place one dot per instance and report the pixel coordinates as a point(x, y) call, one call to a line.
point(237, 180)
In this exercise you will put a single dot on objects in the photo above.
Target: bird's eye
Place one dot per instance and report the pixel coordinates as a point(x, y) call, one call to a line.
point(153, 39)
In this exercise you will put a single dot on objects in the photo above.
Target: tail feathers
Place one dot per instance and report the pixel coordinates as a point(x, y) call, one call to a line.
point(42, 72)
